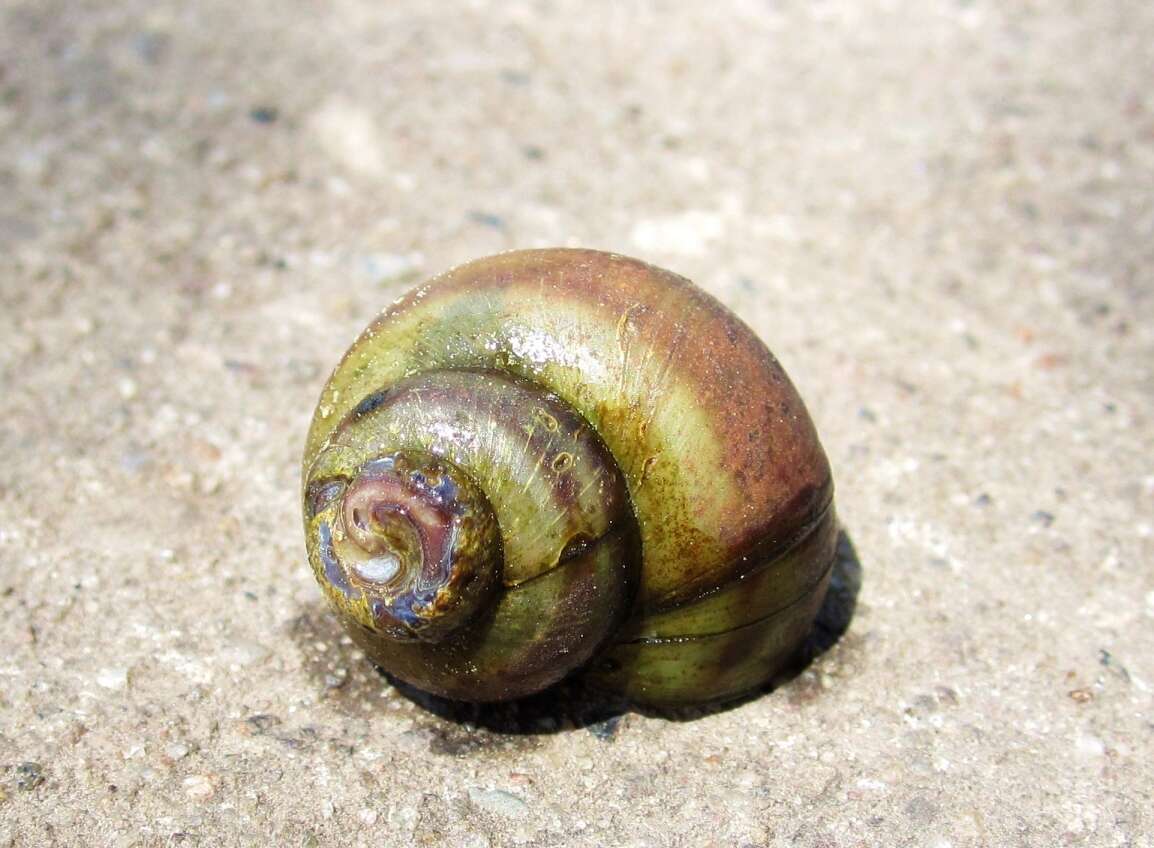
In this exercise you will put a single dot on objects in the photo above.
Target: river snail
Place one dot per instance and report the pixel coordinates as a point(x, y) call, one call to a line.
point(561, 461)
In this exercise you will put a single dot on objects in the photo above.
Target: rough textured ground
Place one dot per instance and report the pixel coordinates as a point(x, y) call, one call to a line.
point(938, 214)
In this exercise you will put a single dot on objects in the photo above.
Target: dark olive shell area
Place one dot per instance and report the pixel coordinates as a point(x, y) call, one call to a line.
point(729, 642)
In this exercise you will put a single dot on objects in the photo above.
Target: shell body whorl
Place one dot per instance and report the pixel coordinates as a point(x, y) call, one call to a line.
point(661, 505)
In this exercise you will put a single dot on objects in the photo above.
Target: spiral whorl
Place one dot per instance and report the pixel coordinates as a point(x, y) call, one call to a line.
point(474, 530)
point(421, 544)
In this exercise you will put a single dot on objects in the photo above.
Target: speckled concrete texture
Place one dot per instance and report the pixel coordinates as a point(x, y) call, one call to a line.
point(939, 215)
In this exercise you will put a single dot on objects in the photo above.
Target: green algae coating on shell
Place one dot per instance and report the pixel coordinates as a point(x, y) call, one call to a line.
point(661, 506)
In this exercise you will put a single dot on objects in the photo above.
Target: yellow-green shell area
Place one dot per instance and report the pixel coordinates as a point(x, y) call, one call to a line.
point(718, 463)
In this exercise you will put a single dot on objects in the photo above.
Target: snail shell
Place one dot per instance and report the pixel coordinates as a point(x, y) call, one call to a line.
point(558, 460)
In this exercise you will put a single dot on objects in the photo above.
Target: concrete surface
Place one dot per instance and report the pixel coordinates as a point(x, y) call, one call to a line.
point(938, 214)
